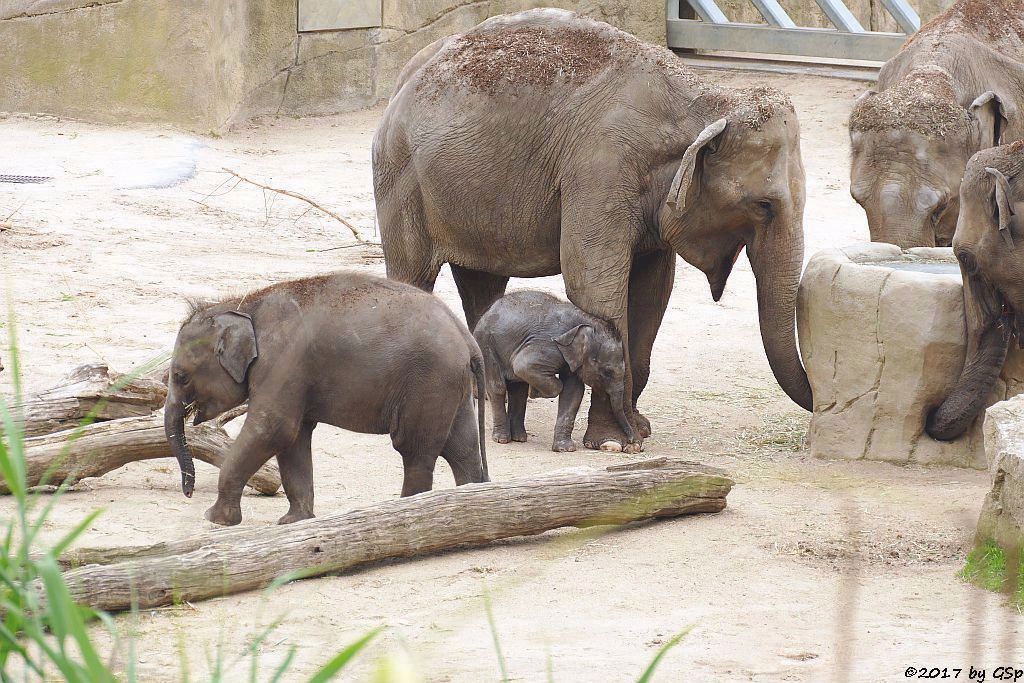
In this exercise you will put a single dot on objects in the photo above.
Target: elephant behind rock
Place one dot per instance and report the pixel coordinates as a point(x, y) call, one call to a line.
point(544, 142)
point(956, 87)
point(989, 244)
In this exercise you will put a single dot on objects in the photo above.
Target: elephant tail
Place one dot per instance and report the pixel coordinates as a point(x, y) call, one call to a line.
point(476, 364)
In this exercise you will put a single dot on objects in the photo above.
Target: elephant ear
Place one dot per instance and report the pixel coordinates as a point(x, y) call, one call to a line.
point(236, 345)
point(988, 109)
point(1004, 208)
point(574, 345)
point(683, 179)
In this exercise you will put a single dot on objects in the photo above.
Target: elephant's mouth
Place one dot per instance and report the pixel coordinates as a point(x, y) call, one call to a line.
point(718, 276)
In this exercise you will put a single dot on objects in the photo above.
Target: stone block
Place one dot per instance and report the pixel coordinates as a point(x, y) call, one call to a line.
point(1002, 515)
point(883, 339)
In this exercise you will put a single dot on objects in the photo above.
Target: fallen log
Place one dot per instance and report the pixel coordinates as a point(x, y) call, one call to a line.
point(96, 449)
point(236, 560)
point(89, 390)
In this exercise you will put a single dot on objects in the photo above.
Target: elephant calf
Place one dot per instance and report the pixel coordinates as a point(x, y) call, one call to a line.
point(358, 352)
point(532, 339)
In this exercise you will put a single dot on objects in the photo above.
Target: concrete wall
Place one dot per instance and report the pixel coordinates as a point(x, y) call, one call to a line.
point(207, 64)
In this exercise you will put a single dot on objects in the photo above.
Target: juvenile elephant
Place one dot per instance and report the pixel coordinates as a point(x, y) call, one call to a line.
point(535, 340)
point(989, 243)
point(544, 142)
point(955, 87)
point(358, 352)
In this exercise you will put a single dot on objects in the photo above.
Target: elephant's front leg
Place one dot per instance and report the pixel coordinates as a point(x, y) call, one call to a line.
point(296, 465)
point(568, 406)
point(650, 285)
point(262, 437)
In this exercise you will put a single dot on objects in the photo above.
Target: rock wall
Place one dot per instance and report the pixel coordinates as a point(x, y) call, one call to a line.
point(1002, 515)
point(207, 64)
point(882, 346)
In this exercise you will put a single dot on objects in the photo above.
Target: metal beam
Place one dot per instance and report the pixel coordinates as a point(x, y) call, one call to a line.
point(773, 13)
point(904, 15)
point(810, 42)
point(841, 17)
point(708, 11)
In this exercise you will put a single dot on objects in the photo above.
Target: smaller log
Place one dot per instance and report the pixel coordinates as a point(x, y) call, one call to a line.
point(89, 389)
point(231, 561)
point(99, 448)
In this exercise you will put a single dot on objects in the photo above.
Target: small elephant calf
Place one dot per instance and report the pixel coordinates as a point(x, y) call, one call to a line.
point(534, 340)
point(358, 352)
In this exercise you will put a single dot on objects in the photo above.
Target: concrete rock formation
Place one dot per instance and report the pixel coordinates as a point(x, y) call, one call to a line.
point(1002, 515)
point(129, 60)
point(882, 335)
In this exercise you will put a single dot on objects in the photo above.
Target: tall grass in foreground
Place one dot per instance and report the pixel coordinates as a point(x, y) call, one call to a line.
point(44, 633)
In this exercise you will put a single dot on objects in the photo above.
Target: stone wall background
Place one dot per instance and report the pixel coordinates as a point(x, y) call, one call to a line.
point(208, 64)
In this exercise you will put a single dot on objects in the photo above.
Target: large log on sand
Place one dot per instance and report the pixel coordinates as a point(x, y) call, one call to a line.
point(90, 390)
point(99, 448)
point(231, 561)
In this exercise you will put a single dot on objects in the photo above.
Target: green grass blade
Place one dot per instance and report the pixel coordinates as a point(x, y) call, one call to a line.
point(340, 660)
point(494, 636)
point(648, 673)
point(285, 665)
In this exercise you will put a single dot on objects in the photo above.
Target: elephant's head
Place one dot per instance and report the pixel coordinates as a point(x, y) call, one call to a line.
point(740, 184)
point(208, 376)
point(989, 244)
point(910, 145)
point(594, 353)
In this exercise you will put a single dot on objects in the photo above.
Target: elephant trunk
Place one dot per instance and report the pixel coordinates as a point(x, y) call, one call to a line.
point(988, 339)
point(777, 267)
point(174, 428)
point(617, 397)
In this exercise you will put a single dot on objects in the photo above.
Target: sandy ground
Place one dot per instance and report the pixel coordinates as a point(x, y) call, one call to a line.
point(816, 571)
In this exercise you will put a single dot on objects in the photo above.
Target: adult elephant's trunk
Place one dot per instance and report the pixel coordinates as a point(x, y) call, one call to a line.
point(988, 339)
point(777, 261)
point(616, 395)
point(174, 428)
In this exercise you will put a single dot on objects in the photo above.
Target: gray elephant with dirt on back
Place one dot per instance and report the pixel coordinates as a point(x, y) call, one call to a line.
point(544, 142)
point(358, 352)
point(535, 340)
point(956, 87)
point(989, 244)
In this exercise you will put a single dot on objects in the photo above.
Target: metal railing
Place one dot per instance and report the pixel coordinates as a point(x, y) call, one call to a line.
point(848, 40)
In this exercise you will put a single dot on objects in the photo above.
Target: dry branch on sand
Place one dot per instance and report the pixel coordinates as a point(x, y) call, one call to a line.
point(99, 448)
point(226, 562)
point(304, 198)
point(89, 390)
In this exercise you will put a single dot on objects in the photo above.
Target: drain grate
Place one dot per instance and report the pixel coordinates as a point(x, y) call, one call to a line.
point(23, 178)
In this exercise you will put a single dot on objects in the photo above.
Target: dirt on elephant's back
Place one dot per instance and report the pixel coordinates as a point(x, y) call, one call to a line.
point(493, 61)
point(999, 23)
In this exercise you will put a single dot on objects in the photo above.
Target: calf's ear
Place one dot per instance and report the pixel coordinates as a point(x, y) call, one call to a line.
point(236, 343)
point(575, 344)
point(1004, 204)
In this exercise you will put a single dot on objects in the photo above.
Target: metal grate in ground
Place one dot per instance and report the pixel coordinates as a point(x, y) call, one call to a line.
point(23, 178)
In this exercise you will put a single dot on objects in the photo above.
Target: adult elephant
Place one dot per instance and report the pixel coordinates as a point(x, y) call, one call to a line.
point(544, 142)
point(989, 243)
point(955, 87)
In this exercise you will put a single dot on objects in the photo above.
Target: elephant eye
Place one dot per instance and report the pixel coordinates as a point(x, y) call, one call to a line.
point(939, 211)
point(766, 208)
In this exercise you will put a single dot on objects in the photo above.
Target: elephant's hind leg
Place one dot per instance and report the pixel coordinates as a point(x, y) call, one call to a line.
point(409, 253)
point(421, 431)
point(517, 395)
point(296, 464)
point(478, 291)
point(462, 450)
